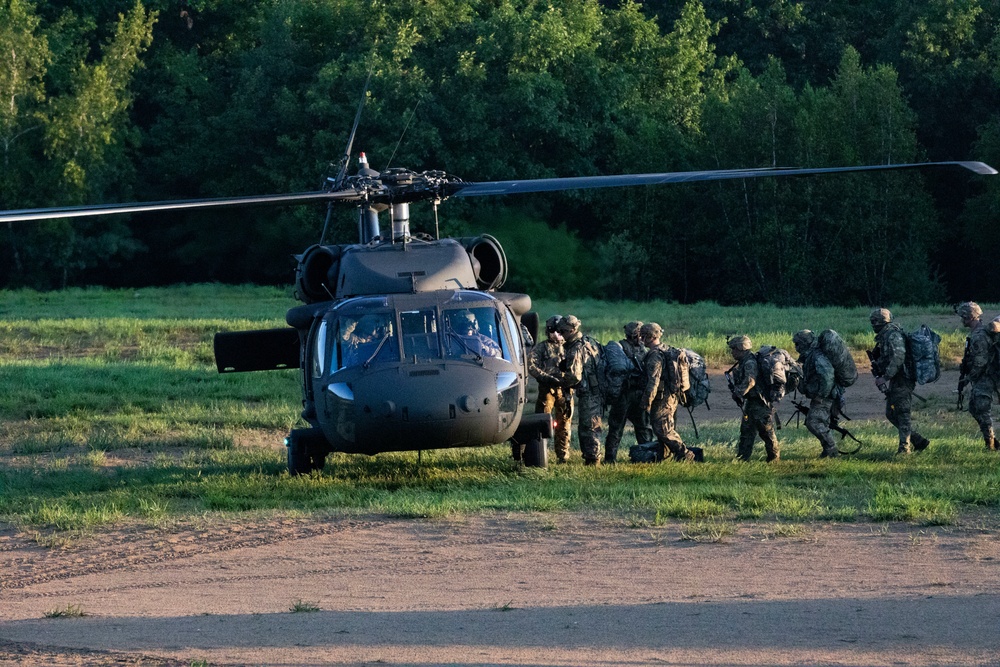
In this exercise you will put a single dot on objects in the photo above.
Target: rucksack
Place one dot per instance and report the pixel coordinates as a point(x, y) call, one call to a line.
point(617, 367)
point(676, 378)
point(923, 357)
point(777, 372)
point(821, 378)
point(595, 374)
point(836, 351)
point(649, 452)
point(701, 385)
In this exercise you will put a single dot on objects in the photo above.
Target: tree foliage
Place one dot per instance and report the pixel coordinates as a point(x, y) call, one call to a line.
point(116, 100)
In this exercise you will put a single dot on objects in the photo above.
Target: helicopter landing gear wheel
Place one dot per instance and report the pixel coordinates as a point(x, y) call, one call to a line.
point(306, 451)
point(536, 452)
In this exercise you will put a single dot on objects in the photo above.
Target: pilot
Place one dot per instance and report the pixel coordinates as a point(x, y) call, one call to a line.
point(464, 323)
point(363, 338)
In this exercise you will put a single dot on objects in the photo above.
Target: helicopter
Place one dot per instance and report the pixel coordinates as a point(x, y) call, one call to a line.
point(404, 341)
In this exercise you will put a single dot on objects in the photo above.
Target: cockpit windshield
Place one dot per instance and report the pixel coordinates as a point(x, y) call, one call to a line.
point(365, 338)
point(473, 331)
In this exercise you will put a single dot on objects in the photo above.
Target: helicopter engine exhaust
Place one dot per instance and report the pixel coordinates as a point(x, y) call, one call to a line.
point(488, 261)
point(316, 274)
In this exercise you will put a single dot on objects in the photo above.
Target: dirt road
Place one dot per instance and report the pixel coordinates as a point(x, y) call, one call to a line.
point(517, 590)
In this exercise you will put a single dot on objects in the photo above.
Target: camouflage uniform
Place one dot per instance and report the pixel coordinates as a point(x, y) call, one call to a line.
point(628, 404)
point(543, 365)
point(818, 386)
point(757, 413)
point(579, 374)
point(889, 368)
point(662, 406)
point(977, 372)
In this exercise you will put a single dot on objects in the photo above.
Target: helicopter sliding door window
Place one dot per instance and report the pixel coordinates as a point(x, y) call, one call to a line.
point(420, 334)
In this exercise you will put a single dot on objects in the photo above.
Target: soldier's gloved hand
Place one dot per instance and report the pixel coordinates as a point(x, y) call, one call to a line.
point(882, 385)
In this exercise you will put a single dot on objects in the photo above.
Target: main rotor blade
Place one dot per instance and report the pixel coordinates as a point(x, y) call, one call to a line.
point(588, 182)
point(27, 214)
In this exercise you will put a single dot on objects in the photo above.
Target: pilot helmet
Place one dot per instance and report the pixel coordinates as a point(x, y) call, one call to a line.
point(464, 322)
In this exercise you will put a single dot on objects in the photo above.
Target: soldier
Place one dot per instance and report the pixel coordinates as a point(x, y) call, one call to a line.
point(657, 399)
point(579, 374)
point(893, 379)
point(628, 404)
point(757, 412)
point(976, 370)
point(819, 386)
point(543, 365)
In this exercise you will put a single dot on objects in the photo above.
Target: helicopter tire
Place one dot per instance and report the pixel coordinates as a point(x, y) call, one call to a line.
point(305, 451)
point(536, 452)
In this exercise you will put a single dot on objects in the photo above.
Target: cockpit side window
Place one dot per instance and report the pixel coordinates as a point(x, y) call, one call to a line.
point(515, 337)
point(319, 351)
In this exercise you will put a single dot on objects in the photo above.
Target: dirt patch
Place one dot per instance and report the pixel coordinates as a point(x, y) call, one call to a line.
point(524, 589)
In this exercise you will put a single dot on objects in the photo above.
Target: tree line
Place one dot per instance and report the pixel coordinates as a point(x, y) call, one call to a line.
point(113, 101)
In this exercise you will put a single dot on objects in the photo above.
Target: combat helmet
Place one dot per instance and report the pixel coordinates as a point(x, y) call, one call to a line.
point(650, 330)
point(803, 340)
point(552, 323)
point(632, 329)
point(569, 325)
point(880, 317)
point(969, 309)
point(739, 343)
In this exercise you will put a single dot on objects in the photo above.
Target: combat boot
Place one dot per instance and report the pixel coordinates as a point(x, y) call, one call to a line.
point(990, 440)
point(516, 450)
point(920, 443)
point(904, 448)
point(829, 453)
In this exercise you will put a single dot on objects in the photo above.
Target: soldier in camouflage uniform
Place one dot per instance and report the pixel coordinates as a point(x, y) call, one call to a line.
point(893, 379)
point(757, 413)
point(579, 374)
point(628, 404)
point(977, 371)
point(543, 365)
point(661, 405)
point(819, 386)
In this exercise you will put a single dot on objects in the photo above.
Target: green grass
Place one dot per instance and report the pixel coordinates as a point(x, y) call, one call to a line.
point(111, 412)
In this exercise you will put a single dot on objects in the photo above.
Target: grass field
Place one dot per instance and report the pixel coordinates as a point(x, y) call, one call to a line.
point(111, 412)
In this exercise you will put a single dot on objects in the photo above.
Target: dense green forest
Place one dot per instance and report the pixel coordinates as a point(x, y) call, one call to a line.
point(109, 101)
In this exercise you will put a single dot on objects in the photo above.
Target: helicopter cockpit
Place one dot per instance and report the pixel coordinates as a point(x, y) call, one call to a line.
point(454, 360)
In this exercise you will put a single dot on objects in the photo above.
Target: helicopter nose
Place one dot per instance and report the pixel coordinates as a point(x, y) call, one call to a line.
point(469, 403)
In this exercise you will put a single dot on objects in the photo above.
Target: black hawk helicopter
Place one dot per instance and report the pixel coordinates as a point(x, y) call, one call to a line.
point(404, 341)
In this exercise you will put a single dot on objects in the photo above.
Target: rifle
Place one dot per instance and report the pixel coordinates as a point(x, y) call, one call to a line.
point(732, 389)
point(873, 356)
point(802, 408)
point(963, 377)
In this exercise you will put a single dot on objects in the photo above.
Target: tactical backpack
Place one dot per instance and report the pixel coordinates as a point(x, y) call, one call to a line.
point(923, 358)
point(676, 378)
point(701, 385)
point(617, 367)
point(649, 452)
point(835, 349)
point(777, 373)
point(594, 374)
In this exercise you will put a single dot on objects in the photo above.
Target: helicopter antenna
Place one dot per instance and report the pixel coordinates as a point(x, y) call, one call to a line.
point(402, 134)
point(346, 158)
